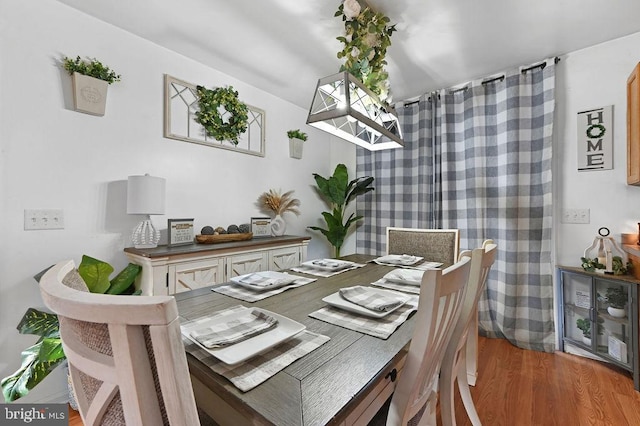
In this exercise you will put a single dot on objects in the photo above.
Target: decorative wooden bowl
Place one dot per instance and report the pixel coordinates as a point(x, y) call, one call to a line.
point(223, 238)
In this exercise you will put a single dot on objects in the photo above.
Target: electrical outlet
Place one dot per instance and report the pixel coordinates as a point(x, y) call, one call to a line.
point(576, 216)
point(43, 219)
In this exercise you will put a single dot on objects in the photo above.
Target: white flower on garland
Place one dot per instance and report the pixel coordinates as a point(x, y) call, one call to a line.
point(351, 9)
point(355, 52)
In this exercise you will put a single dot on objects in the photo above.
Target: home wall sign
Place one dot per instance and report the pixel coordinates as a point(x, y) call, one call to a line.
point(180, 107)
point(595, 139)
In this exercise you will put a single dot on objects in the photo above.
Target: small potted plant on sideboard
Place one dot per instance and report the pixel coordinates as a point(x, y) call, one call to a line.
point(617, 298)
point(91, 78)
point(296, 142)
point(585, 326)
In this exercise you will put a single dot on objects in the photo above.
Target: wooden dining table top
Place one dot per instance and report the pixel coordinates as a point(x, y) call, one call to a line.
point(321, 387)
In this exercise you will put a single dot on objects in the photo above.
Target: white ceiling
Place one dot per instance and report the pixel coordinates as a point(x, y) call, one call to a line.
point(284, 46)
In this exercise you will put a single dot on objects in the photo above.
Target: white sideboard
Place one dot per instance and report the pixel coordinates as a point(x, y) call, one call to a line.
point(170, 270)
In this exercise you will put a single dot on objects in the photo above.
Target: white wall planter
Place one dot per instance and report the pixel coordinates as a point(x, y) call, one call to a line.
point(295, 148)
point(89, 94)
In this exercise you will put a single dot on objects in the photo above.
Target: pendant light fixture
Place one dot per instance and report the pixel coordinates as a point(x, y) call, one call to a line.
point(345, 106)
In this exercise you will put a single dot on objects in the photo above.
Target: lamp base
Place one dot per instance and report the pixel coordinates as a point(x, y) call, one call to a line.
point(145, 235)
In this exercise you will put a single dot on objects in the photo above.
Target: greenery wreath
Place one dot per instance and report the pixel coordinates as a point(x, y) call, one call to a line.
point(209, 116)
point(600, 127)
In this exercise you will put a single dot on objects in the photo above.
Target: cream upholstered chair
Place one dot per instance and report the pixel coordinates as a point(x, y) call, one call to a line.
point(454, 365)
point(441, 296)
point(125, 353)
point(435, 245)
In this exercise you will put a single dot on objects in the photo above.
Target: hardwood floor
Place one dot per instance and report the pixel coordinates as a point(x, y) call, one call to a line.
point(517, 387)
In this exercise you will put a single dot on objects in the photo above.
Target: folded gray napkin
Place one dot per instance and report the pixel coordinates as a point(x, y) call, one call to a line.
point(233, 331)
point(371, 298)
point(258, 280)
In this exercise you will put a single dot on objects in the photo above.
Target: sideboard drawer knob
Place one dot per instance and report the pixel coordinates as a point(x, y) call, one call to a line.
point(393, 374)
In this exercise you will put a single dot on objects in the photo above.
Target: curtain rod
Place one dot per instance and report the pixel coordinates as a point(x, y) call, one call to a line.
point(541, 65)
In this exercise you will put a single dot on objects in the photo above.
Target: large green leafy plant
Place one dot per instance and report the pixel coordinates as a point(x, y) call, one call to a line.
point(338, 192)
point(47, 353)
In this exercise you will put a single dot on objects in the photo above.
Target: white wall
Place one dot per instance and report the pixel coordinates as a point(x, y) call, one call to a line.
point(54, 157)
point(587, 79)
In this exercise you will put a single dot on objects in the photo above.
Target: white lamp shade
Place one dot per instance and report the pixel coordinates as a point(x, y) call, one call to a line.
point(145, 195)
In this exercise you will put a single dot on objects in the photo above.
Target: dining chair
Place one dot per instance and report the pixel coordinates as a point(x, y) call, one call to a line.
point(440, 302)
point(125, 353)
point(435, 245)
point(454, 364)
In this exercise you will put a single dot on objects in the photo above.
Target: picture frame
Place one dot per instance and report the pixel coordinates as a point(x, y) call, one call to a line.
point(261, 226)
point(180, 232)
point(180, 106)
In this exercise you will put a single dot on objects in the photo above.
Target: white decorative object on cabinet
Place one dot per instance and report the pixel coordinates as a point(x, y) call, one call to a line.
point(170, 270)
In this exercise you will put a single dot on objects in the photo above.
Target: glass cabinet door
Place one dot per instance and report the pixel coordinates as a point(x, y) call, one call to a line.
point(578, 303)
point(613, 313)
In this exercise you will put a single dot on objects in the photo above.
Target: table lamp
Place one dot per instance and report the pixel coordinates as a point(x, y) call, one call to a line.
point(145, 195)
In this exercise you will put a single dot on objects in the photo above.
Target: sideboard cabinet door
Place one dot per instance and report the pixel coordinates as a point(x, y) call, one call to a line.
point(191, 275)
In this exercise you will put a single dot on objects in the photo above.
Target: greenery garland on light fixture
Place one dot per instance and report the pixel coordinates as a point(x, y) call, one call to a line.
point(209, 116)
point(367, 37)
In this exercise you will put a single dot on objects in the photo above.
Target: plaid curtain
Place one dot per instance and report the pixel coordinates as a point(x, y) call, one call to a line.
point(484, 166)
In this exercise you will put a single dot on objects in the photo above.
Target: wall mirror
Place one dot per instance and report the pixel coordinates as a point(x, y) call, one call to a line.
point(180, 106)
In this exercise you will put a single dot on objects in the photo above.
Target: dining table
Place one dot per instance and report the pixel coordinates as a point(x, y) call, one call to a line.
point(343, 381)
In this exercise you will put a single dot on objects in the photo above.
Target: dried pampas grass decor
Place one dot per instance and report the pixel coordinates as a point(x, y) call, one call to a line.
point(279, 203)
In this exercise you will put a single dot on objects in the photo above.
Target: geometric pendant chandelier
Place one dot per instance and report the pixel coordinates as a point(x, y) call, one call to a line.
point(345, 108)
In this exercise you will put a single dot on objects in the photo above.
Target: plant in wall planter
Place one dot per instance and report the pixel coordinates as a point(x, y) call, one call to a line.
point(296, 142)
point(47, 353)
point(617, 298)
point(338, 192)
point(91, 78)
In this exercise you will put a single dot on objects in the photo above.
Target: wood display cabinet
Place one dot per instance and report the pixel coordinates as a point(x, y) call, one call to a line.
point(589, 323)
point(633, 127)
point(170, 270)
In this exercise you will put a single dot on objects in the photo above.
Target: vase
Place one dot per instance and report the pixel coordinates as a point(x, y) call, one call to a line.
point(616, 312)
point(278, 226)
point(586, 340)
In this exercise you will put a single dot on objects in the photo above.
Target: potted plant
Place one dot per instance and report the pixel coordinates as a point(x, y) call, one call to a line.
point(91, 78)
point(47, 353)
point(338, 192)
point(296, 142)
point(585, 326)
point(617, 298)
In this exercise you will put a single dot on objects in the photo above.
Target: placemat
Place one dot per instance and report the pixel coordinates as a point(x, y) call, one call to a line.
point(320, 273)
point(238, 292)
point(247, 375)
point(377, 327)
